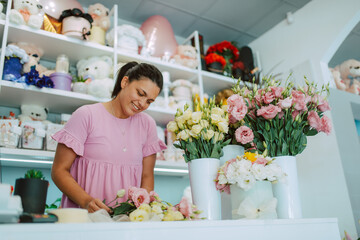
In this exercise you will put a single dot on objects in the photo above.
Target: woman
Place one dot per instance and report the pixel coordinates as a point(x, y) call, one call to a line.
point(105, 147)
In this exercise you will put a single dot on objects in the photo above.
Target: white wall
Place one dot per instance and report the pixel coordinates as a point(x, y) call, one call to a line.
point(305, 47)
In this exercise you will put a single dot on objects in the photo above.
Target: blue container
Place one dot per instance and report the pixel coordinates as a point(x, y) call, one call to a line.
point(12, 68)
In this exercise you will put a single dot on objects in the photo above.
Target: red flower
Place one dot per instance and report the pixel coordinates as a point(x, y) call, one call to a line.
point(213, 57)
point(224, 48)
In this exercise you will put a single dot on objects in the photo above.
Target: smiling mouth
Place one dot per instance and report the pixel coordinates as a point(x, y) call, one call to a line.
point(136, 108)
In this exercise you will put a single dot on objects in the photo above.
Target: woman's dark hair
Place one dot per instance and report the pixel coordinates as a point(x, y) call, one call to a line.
point(135, 71)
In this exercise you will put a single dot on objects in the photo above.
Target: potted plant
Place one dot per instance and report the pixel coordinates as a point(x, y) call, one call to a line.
point(33, 190)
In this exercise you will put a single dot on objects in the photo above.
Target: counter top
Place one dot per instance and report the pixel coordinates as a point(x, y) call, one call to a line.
point(280, 229)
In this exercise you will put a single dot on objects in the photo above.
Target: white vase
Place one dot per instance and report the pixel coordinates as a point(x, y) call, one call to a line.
point(230, 152)
point(202, 173)
point(287, 193)
point(257, 202)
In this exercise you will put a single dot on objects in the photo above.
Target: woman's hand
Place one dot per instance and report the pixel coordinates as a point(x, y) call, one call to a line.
point(96, 204)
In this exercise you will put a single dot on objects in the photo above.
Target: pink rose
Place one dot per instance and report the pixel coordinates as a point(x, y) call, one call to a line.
point(244, 135)
point(140, 196)
point(326, 125)
point(323, 106)
point(281, 115)
point(238, 110)
point(268, 97)
point(298, 98)
point(261, 160)
point(231, 101)
point(131, 191)
point(154, 197)
point(314, 120)
point(268, 112)
point(185, 207)
point(258, 97)
point(284, 103)
point(277, 91)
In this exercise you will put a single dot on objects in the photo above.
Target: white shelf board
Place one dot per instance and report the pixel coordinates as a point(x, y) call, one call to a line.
point(55, 44)
point(58, 101)
point(176, 71)
point(160, 115)
point(213, 83)
point(17, 157)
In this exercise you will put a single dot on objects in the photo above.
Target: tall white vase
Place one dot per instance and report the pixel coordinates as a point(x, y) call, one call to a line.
point(287, 193)
point(202, 173)
point(230, 152)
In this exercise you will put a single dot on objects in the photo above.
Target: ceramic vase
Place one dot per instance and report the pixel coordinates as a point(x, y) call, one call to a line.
point(257, 202)
point(287, 192)
point(202, 173)
point(230, 152)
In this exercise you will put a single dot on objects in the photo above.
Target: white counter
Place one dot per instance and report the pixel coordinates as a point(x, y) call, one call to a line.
point(279, 229)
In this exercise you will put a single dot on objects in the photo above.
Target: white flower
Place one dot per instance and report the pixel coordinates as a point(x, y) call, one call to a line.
point(145, 207)
point(259, 171)
point(121, 193)
point(246, 181)
point(195, 130)
point(183, 135)
point(223, 126)
point(196, 117)
point(222, 179)
point(156, 209)
point(217, 110)
point(208, 134)
point(215, 118)
point(250, 209)
point(172, 126)
point(187, 114)
point(204, 123)
point(180, 122)
point(139, 215)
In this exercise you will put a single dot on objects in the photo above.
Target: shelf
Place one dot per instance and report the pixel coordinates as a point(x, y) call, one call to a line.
point(160, 115)
point(176, 71)
point(213, 83)
point(16, 157)
point(58, 101)
point(55, 44)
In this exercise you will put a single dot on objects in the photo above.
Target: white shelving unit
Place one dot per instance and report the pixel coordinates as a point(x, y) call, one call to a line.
point(59, 101)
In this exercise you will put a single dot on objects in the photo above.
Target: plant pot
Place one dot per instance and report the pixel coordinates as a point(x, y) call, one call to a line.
point(12, 68)
point(215, 67)
point(80, 87)
point(33, 193)
point(61, 81)
point(202, 173)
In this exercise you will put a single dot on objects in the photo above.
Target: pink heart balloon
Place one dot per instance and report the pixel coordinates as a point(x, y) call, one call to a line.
point(54, 8)
point(159, 35)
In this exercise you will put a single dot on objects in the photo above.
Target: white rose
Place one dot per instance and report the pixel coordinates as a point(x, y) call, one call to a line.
point(195, 130)
point(217, 110)
point(196, 117)
point(215, 118)
point(121, 193)
point(223, 126)
point(145, 207)
point(183, 135)
point(187, 114)
point(222, 179)
point(208, 134)
point(204, 123)
point(156, 209)
point(172, 126)
point(139, 216)
point(180, 122)
point(259, 171)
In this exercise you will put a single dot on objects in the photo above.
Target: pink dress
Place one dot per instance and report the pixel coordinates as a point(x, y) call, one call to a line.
point(110, 150)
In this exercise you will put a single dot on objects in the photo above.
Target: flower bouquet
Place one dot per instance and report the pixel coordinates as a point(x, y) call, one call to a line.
point(200, 134)
point(228, 51)
point(250, 177)
point(143, 206)
point(277, 118)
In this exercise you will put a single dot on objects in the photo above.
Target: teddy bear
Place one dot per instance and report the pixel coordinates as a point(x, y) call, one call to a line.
point(34, 53)
point(350, 75)
point(31, 112)
point(29, 12)
point(101, 22)
point(186, 55)
point(98, 69)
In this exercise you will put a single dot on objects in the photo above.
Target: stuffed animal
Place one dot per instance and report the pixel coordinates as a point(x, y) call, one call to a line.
point(129, 37)
point(34, 53)
point(340, 84)
point(350, 74)
point(27, 12)
point(186, 56)
point(98, 69)
point(100, 15)
point(30, 112)
point(223, 95)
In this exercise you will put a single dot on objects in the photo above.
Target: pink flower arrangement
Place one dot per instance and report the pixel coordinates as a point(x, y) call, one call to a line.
point(144, 206)
point(275, 119)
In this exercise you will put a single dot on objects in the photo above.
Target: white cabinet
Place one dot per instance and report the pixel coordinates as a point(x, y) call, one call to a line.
point(58, 101)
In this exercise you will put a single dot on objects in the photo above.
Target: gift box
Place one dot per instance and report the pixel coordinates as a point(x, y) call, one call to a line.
point(33, 134)
point(52, 128)
point(10, 132)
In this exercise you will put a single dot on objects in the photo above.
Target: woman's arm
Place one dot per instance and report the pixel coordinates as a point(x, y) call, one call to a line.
point(147, 177)
point(60, 174)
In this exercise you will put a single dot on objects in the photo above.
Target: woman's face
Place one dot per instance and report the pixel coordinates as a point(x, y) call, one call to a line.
point(136, 96)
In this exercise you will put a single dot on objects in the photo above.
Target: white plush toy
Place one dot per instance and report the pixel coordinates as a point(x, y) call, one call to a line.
point(99, 70)
point(186, 56)
point(31, 112)
point(129, 38)
point(29, 12)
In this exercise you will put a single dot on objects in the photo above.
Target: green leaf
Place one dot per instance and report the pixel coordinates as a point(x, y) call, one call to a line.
point(124, 208)
point(311, 132)
point(285, 149)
